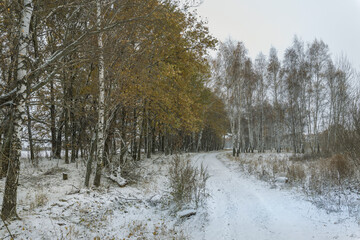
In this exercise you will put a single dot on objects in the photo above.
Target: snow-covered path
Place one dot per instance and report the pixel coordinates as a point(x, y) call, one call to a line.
point(245, 208)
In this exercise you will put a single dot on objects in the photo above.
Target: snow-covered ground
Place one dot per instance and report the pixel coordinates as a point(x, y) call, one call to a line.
point(243, 207)
point(51, 208)
point(240, 207)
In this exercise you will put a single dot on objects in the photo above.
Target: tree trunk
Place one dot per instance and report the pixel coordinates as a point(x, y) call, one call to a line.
point(59, 138)
point(134, 135)
point(123, 147)
point(278, 128)
point(90, 160)
point(239, 137)
point(10, 195)
point(31, 144)
point(66, 122)
point(149, 139)
point(162, 143)
point(52, 119)
point(199, 141)
point(5, 149)
point(101, 111)
point(167, 143)
point(73, 141)
point(138, 158)
point(153, 140)
point(72, 121)
point(251, 136)
point(80, 138)
point(233, 136)
point(193, 141)
point(262, 127)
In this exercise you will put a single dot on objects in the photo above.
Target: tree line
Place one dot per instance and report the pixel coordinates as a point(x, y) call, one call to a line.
point(106, 81)
point(305, 103)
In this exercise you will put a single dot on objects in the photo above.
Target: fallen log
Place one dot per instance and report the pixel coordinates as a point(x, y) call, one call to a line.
point(122, 182)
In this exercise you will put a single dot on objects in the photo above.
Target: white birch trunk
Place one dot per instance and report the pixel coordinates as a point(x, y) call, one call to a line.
point(251, 137)
point(233, 134)
point(12, 179)
point(239, 140)
point(199, 140)
point(101, 107)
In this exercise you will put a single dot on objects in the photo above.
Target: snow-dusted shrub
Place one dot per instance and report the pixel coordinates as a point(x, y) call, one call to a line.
point(40, 200)
point(296, 173)
point(341, 167)
point(187, 182)
point(332, 184)
point(314, 182)
point(333, 171)
point(200, 193)
point(127, 169)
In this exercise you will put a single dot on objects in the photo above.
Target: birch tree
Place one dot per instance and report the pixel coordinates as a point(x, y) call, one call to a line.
point(260, 74)
point(28, 68)
point(275, 84)
point(293, 73)
point(249, 88)
point(232, 57)
point(101, 103)
point(12, 178)
point(339, 78)
point(318, 57)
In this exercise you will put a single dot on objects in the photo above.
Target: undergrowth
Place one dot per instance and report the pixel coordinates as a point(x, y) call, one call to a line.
point(331, 183)
point(187, 183)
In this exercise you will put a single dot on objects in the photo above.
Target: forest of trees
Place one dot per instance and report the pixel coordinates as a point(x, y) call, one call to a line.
point(305, 103)
point(104, 81)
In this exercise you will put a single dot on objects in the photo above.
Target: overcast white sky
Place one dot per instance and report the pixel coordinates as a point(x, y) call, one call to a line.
point(261, 24)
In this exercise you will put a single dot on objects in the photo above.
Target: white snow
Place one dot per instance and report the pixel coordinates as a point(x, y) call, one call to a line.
point(245, 208)
point(186, 213)
point(240, 207)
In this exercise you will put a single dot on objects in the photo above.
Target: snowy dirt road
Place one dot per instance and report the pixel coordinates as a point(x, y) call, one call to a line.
point(242, 207)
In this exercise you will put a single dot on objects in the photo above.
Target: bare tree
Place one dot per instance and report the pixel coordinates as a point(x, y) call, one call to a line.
point(275, 84)
point(260, 74)
point(249, 88)
point(232, 57)
point(318, 57)
point(294, 74)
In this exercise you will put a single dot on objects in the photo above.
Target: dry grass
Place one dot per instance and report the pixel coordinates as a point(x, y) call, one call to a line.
point(40, 200)
point(139, 230)
point(341, 167)
point(187, 183)
point(296, 173)
point(330, 182)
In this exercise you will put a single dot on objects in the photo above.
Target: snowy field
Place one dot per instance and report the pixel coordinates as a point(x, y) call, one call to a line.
point(240, 206)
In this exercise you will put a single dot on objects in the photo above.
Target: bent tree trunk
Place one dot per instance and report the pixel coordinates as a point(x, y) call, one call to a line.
point(10, 196)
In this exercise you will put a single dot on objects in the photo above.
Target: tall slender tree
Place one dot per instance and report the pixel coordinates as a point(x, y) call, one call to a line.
point(12, 178)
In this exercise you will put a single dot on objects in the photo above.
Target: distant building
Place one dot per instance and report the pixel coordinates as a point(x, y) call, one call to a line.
point(228, 141)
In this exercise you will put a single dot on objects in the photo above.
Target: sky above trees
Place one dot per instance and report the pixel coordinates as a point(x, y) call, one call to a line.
point(261, 24)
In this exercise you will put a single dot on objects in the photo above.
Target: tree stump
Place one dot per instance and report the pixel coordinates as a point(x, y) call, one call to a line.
point(65, 176)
